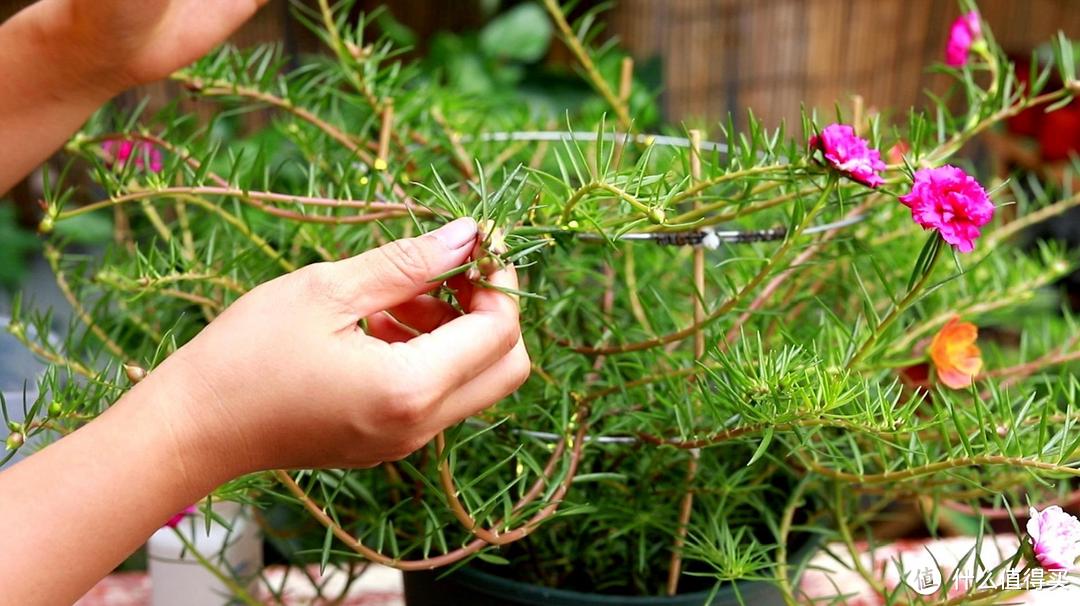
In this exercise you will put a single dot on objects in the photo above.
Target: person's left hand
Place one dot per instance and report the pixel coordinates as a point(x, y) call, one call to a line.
point(122, 43)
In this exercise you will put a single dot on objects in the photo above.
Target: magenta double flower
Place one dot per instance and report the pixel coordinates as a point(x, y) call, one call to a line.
point(952, 202)
point(963, 34)
point(945, 199)
point(849, 154)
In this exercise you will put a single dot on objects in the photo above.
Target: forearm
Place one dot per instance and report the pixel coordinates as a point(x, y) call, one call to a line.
point(49, 89)
point(72, 512)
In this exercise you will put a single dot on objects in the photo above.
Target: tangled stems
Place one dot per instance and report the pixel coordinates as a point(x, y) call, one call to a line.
point(703, 217)
point(509, 536)
point(451, 491)
point(899, 307)
point(728, 305)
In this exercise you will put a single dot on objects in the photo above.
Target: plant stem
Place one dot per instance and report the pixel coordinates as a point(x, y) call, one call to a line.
point(52, 255)
point(897, 309)
point(686, 506)
point(582, 55)
point(592, 186)
point(238, 591)
point(699, 186)
point(932, 468)
point(849, 541)
point(995, 238)
point(509, 536)
point(958, 140)
point(345, 56)
point(244, 230)
point(50, 356)
point(787, 518)
point(243, 195)
point(975, 306)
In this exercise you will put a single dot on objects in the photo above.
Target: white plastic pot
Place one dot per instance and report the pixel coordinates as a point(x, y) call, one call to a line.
point(179, 579)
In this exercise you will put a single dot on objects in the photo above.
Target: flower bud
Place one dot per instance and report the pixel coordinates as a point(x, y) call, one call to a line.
point(134, 373)
point(656, 215)
point(488, 265)
point(46, 225)
point(14, 441)
point(55, 408)
point(13, 426)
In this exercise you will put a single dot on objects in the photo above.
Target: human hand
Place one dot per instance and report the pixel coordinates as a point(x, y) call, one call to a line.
point(122, 43)
point(286, 378)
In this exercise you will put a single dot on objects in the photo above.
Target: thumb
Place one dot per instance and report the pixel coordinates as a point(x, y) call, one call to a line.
point(403, 269)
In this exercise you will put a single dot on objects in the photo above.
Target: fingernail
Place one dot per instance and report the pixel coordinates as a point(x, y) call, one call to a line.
point(457, 233)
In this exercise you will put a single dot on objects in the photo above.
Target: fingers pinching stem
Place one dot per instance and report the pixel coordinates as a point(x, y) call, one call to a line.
point(398, 272)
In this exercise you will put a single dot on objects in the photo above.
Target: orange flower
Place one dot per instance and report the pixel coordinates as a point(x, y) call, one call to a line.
point(956, 356)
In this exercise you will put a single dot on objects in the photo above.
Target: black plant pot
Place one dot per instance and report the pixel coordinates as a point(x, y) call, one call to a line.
point(469, 586)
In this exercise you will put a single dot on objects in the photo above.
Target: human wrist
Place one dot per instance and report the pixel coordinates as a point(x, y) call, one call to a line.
point(194, 429)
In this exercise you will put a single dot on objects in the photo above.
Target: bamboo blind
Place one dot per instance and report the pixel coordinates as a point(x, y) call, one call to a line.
point(772, 55)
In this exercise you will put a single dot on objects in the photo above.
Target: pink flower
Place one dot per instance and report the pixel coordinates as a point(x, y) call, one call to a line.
point(1055, 538)
point(951, 201)
point(176, 519)
point(123, 150)
point(849, 154)
point(962, 35)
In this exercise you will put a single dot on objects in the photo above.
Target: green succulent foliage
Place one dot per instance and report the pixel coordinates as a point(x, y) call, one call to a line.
point(795, 414)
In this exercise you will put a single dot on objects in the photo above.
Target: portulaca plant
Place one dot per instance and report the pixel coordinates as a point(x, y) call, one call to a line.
point(744, 342)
